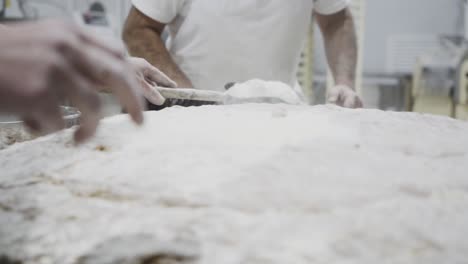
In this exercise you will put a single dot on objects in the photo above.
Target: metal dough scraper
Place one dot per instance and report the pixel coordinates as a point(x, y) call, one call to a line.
point(215, 97)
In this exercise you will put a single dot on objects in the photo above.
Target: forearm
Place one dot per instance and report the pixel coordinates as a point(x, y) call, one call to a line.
point(145, 42)
point(341, 49)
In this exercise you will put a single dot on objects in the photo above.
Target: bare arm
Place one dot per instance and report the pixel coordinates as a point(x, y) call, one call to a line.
point(340, 45)
point(339, 35)
point(143, 38)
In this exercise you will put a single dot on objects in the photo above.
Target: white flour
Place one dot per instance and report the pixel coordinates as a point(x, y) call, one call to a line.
point(12, 133)
point(260, 88)
point(243, 184)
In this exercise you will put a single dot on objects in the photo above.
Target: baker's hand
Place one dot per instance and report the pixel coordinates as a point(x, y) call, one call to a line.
point(45, 63)
point(344, 96)
point(148, 77)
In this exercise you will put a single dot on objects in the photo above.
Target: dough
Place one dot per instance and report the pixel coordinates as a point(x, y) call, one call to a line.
point(11, 131)
point(252, 183)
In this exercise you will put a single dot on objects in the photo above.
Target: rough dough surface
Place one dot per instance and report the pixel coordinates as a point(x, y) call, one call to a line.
point(11, 133)
point(10, 136)
point(242, 184)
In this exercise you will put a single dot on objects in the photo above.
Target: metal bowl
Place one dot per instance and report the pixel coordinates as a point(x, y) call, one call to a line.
point(13, 130)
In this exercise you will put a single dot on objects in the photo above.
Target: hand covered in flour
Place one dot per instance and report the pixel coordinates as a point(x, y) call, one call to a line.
point(148, 77)
point(344, 96)
point(46, 63)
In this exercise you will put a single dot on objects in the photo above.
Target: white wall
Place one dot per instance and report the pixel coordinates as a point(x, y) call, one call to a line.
point(117, 9)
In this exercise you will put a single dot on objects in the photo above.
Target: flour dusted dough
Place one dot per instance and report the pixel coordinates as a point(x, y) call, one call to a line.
point(11, 132)
point(242, 184)
point(259, 88)
point(10, 136)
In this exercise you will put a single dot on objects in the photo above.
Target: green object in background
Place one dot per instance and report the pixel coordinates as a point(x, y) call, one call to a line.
point(7, 15)
point(3, 5)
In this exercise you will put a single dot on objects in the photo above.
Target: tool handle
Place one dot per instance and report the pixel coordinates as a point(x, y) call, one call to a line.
point(191, 94)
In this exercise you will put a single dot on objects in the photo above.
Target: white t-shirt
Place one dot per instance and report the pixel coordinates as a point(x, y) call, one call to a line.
point(219, 41)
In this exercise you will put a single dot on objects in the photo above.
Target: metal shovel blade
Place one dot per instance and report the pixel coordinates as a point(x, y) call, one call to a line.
point(213, 96)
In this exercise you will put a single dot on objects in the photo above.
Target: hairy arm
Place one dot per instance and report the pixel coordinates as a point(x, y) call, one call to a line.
point(142, 36)
point(339, 34)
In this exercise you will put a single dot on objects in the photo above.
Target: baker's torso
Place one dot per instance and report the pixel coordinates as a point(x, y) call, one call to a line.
point(219, 41)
